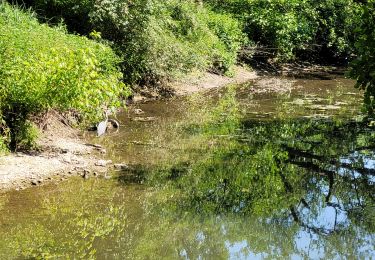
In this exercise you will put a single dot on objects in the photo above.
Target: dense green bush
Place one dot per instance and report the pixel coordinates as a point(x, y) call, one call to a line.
point(157, 39)
point(43, 68)
point(363, 67)
point(297, 27)
point(164, 39)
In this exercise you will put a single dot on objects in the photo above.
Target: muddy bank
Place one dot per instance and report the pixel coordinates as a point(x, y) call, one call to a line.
point(209, 80)
point(61, 153)
point(194, 83)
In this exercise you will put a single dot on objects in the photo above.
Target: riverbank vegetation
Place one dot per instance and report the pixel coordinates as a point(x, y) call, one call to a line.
point(363, 67)
point(186, 35)
point(44, 68)
point(78, 55)
point(313, 30)
point(157, 40)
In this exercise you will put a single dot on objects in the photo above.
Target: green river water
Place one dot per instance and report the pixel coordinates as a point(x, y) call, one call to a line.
point(227, 174)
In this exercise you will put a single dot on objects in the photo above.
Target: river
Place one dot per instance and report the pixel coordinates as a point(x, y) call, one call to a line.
point(242, 172)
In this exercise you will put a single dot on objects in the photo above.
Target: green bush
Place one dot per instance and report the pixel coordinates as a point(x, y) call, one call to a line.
point(43, 68)
point(296, 27)
point(161, 40)
point(320, 30)
point(3, 147)
point(363, 67)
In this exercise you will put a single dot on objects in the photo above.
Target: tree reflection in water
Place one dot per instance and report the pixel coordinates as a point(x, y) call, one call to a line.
point(318, 174)
point(244, 188)
point(271, 189)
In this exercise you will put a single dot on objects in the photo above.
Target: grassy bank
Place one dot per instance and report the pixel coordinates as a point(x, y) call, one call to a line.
point(43, 68)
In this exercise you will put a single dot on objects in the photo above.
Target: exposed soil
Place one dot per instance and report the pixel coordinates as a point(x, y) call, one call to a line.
point(195, 83)
point(209, 80)
point(61, 154)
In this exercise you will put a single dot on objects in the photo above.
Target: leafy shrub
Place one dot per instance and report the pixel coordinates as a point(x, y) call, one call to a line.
point(164, 39)
point(336, 21)
point(43, 68)
point(27, 134)
point(363, 67)
point(3, 147)
point(296, 27)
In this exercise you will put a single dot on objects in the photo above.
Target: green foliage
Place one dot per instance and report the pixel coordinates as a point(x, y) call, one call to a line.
point(164, 39)
point(3, 147)
point(157, 40)
point(43, 68)
point(160, 40)
point(363, 67)
point(27, 134)
point(296, 27)
point(3, 135)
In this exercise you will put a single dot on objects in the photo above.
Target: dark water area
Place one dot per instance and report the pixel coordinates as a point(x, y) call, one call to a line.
point(236, 173)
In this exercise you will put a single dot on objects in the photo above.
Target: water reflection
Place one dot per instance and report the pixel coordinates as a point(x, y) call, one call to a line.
point(68, 222)
point(296, 169)
point(217, 182)
point(294, 172)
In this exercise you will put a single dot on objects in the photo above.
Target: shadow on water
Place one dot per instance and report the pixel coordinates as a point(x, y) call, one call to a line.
point(135, 174)
point(213, 177)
